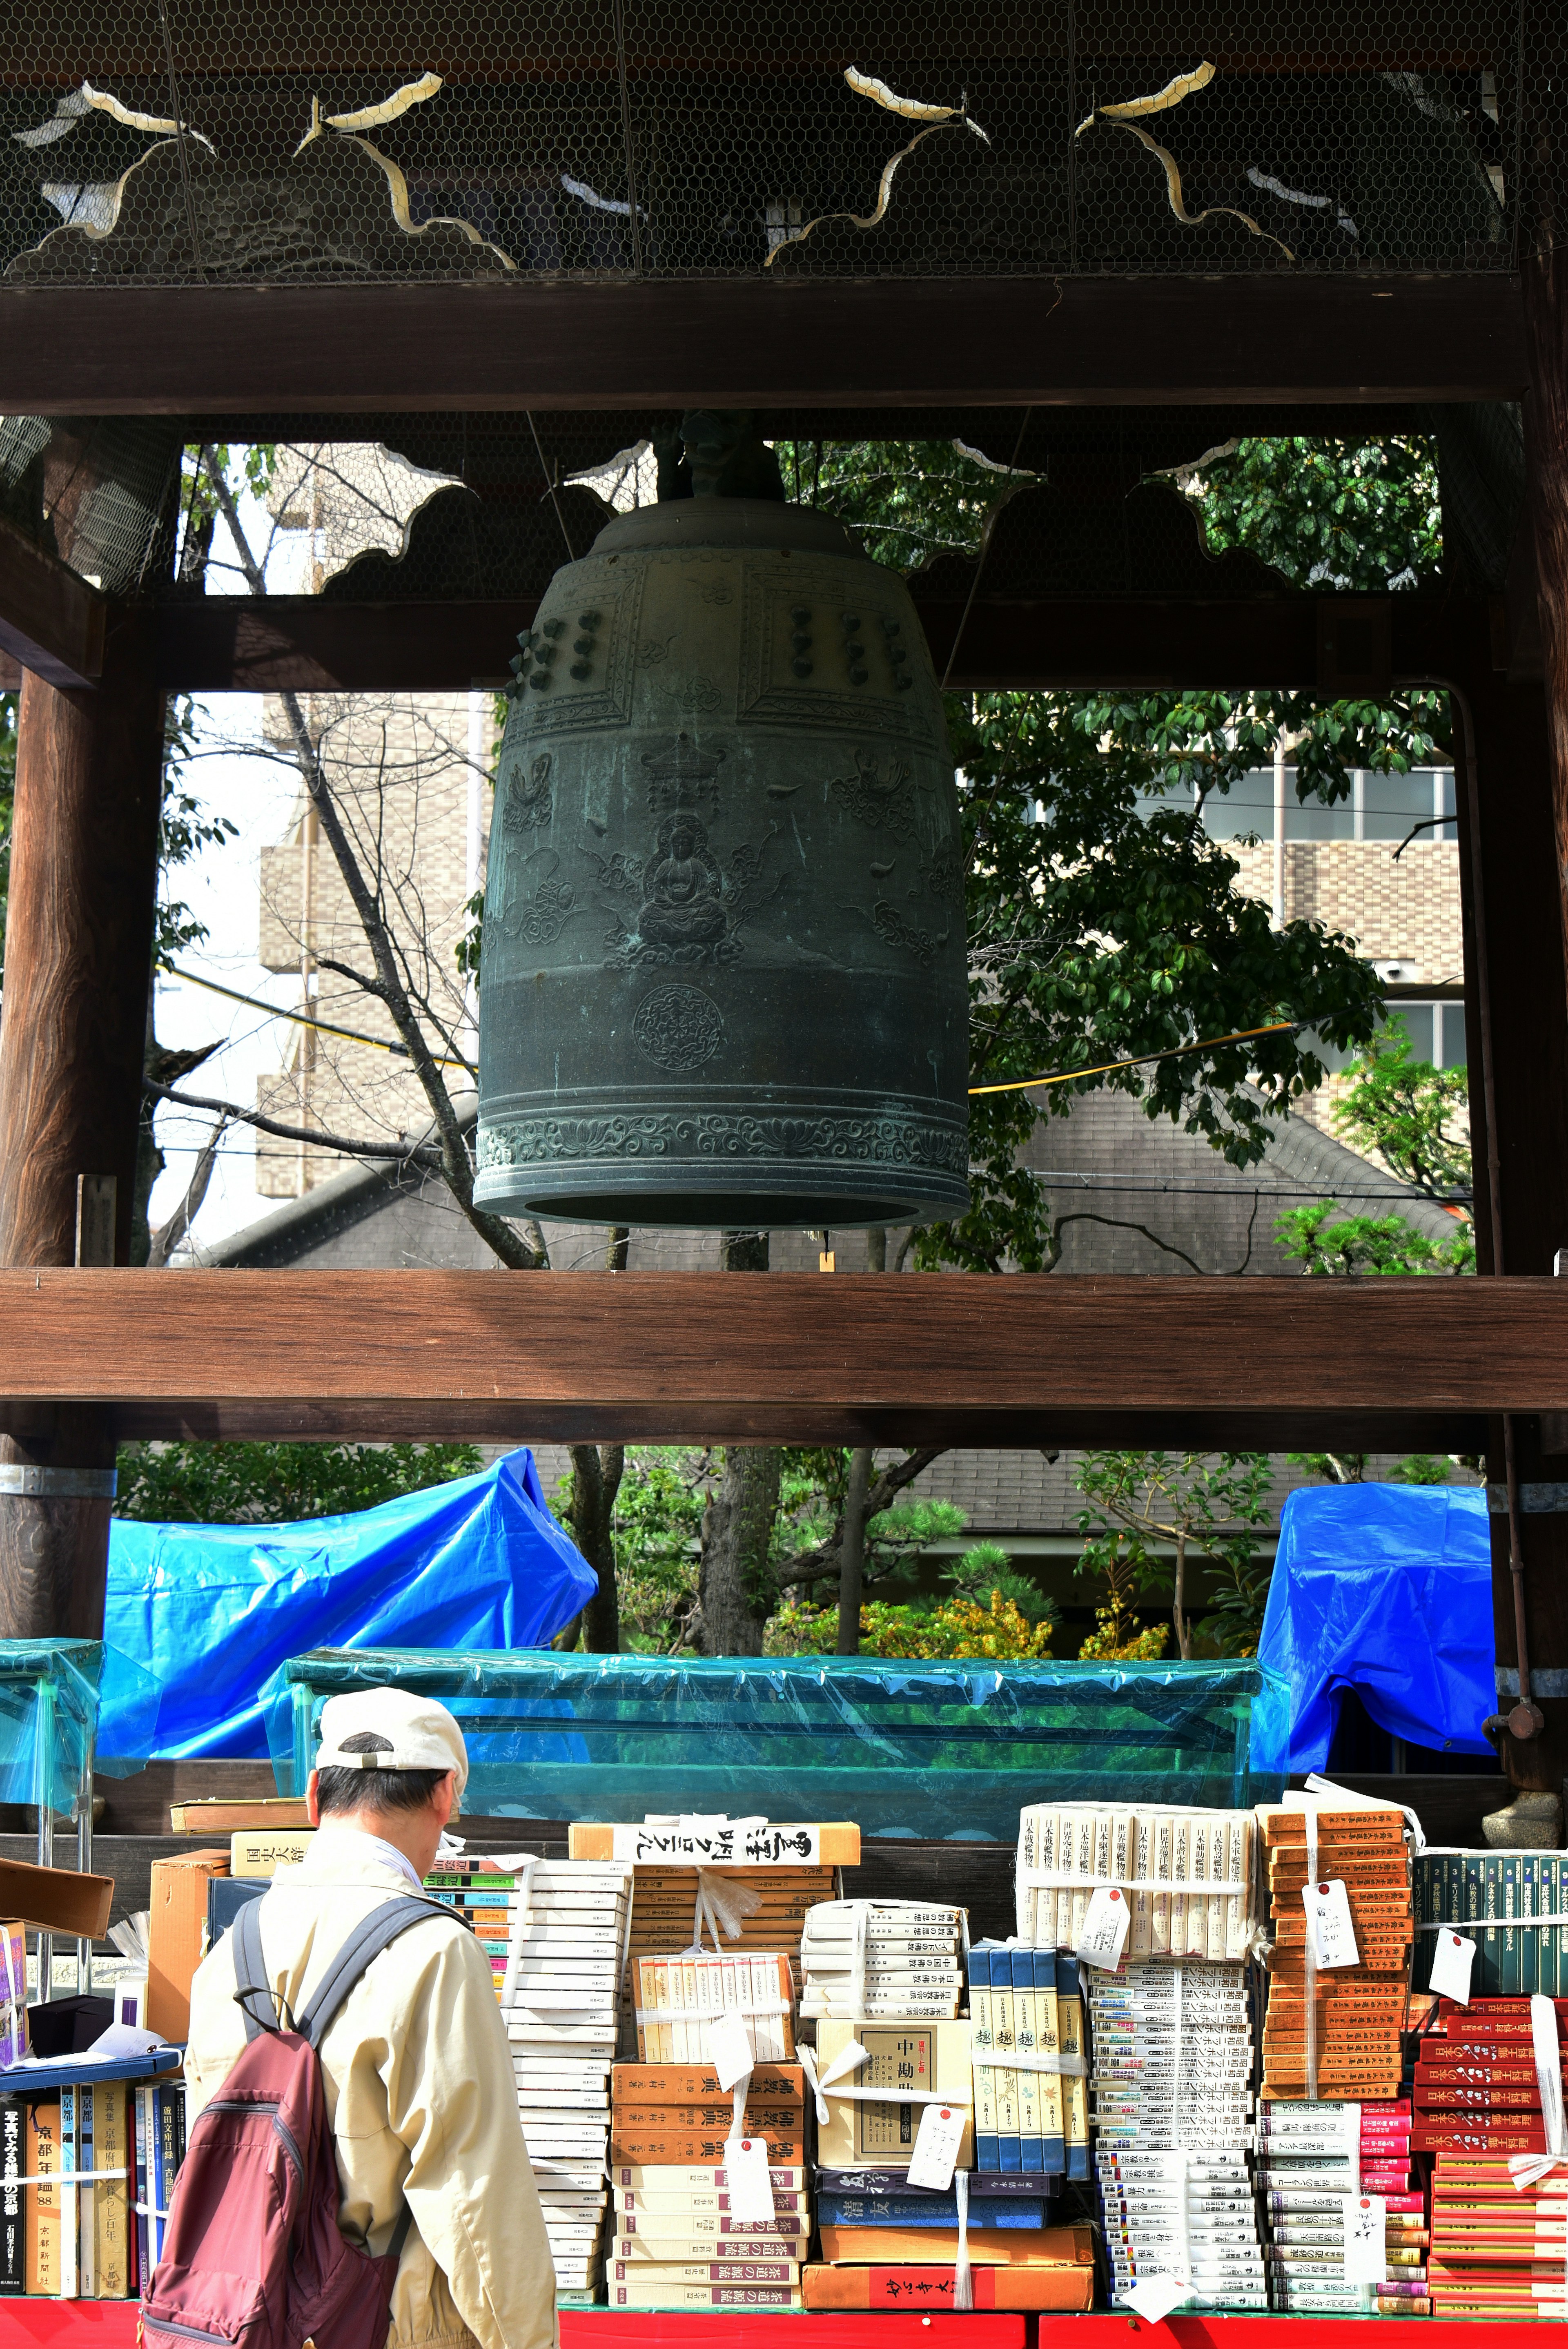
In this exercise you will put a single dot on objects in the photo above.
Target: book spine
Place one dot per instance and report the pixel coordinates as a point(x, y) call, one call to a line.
point(1508, 1908)
point(1004, 2033)
point(1491, 1943)
point(1550, 1937)
point(41, 2202)
point(1052, 2134)
point(1421, 1909)
point(1528, 1953)
point(87, 2205)
point(1031, 2147)
point(70, 2271)
point(987, 2155)
point(1070, 2027)
point(143, 2237)
point(12, 2252)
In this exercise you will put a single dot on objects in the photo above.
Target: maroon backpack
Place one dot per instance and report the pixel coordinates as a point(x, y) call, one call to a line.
point(252, 2254)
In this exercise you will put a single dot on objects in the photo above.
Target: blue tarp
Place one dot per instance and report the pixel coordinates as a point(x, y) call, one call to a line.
point(1386, 1589)
point(213, 1612)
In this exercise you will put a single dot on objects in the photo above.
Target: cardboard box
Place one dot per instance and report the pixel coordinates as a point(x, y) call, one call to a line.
point(262, 1851)
point(177, 1936)
point(216, 1816)
point(56, 1899)
point(926, 2055)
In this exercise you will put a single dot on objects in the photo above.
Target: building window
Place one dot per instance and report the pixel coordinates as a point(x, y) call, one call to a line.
point(1437, 1034)
point(1380, 807)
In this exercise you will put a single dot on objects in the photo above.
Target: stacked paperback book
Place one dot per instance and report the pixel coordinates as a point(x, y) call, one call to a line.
point(1351, 2033)
point(882, 1957)
point(1314, 2163)
point(750, 1909)
point(556, 1931)
point(679, 1995)
point(1498, 2251)
point(1476, 2090)
point(678, 2243)
point(1031, 2103)
point(95, 2165)
point(1186, 1875)
point(1172, 2052)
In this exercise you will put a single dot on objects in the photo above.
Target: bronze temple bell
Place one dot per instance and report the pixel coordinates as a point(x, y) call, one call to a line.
point(724, 978)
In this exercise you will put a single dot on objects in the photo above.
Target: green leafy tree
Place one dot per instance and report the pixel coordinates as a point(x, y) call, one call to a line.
point(1326, 1242)
point(1151, 1515)
point(1359, 516)
point(657, 1531)
point(277, 1484)
point(909, 501)
point(1350, 1467)
point(1409, 1112)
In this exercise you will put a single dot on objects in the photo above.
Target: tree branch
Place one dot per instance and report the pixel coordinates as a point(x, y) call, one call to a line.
point(408, 1153)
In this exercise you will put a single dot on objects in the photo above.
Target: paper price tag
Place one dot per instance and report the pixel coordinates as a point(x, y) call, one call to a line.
point(936, 2147)
point(1105, 1924)
point(1451, 1966)
point(729, 2048)
point(1366, 2239)
point(746, 2175)
point(1328, 1922)
point(1154, 2296)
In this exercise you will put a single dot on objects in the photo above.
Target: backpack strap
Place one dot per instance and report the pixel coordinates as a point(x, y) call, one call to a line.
point(367, 1941)
point(251, 1983)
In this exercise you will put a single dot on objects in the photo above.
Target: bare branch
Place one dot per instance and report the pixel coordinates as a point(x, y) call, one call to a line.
point(169, 1235)
point(408, 1154)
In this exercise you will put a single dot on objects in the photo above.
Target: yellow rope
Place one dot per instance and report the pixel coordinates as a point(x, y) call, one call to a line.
point(303, 1019)
point(1140, 1060)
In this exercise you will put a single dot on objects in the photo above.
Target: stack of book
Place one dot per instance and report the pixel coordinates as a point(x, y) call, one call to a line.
point(1358, 2010)
point(1185, 2215)
point(677, 2244)
point(882, 1957)
point(1029, 2121)
point(1488, 1895)
point(1314, 2161)
point(554, 1935)
point(766, 1907)
point(679, 1993)
point(102, 2157)
point(1188, 1876)
point(1172, 2057)
point(1475, 2087)
point(1497, 2251)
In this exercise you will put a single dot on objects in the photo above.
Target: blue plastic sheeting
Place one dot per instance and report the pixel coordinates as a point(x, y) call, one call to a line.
point(947, 1750)
point(48, 1713)
point(212, 1612)
point(1386, 1589)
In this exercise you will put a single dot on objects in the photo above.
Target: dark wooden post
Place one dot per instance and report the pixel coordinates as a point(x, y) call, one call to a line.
point(1516, 1003)
point(79, 949)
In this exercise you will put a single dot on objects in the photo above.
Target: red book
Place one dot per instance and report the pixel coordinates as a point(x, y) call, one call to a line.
point(1484, 2137)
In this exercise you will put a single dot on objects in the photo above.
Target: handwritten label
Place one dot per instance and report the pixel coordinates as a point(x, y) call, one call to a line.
point(729, 2048)
point(694, 1842)
point(746, 2175)
point(1366, 2239)
point(1154, 2296)
point(1328, 1924)
point(1105, 1924)
point(1451, 1966)
point(936, 2144)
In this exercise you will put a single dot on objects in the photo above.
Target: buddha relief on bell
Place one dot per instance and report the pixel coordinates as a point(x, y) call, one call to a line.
point(724, 975)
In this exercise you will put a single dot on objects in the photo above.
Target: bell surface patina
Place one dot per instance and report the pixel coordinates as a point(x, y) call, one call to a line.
point(723, 979)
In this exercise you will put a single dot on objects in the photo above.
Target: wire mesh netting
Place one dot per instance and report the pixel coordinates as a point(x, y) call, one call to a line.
point(1064, 503)
point(154, 142)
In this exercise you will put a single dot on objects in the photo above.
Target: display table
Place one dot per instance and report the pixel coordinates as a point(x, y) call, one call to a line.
point(111, 2324)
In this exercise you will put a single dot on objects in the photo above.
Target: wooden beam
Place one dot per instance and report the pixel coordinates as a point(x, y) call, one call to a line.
point(310, 643)
point(760, 341)
point(51, 621)
point(781, 1356)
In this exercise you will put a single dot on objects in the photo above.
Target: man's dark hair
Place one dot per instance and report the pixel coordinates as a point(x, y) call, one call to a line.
point(338, 1789)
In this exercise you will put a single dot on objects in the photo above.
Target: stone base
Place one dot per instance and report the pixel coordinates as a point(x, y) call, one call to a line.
point(1529, 1823)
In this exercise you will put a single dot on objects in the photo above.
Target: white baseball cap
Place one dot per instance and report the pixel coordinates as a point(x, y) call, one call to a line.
point(422, 1734)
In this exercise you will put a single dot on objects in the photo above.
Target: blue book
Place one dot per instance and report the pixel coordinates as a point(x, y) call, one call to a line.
point(1053, 2135)
point(1005, 2037)
point(1025, 2036)
point(937, 2210)
point(1075, 2092)
point(986, 2153)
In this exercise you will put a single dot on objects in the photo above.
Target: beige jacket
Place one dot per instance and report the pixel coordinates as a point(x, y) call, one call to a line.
point(421, 2094)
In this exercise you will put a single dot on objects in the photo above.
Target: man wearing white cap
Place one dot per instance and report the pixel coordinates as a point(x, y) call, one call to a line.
point(419, 2087)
